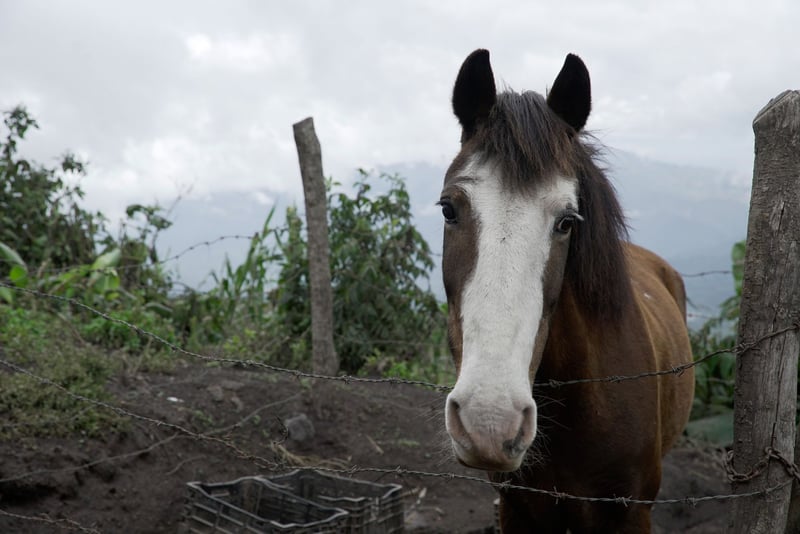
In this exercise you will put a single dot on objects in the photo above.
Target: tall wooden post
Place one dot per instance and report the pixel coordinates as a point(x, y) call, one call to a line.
point(766, 374)
point(324, 359)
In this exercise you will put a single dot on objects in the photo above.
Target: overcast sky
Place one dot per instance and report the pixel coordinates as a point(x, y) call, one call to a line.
point(164, 96)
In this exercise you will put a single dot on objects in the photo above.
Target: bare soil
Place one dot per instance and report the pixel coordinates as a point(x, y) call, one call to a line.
point(135, 481)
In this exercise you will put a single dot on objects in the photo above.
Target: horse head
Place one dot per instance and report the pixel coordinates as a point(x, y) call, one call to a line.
point(511, 204)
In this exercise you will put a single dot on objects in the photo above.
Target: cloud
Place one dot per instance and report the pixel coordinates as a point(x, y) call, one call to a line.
point(165, 96)
point(251, 54)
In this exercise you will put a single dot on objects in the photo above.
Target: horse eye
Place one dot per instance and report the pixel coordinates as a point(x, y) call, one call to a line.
point(448, 211)
point(565, 224)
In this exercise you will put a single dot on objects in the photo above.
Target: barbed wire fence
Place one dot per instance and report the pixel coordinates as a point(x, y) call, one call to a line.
point(216, 437)
point(759, 462)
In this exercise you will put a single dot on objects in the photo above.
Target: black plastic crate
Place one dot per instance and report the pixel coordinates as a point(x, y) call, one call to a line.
point(254, 505)
point(373, 508)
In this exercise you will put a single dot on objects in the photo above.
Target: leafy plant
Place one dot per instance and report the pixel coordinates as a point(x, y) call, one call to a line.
point(378, 260)
point(40, 215)
point(714, 377)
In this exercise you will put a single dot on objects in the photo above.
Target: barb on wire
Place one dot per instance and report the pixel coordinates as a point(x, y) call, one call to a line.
point(706, 273)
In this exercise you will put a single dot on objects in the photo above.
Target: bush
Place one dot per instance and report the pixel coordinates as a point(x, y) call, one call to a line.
point(378, 260)
point(40, 216)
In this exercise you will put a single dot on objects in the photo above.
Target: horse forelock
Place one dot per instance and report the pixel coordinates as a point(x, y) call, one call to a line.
point(530, 143)
point(526, 139)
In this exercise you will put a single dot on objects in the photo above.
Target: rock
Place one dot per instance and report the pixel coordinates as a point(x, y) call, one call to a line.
point(217, 395)
point(300, 428)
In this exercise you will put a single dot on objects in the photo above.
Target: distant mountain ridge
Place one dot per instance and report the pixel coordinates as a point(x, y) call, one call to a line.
point(689, 215)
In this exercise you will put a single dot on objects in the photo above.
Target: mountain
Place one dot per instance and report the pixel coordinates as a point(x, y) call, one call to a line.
point(689, 215)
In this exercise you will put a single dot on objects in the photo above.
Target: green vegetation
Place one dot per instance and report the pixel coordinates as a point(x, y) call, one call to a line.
point(712, 413)
point(258, 310)
point(386, 323)
point(377, 259)
point(714, 376)
point(45, 344)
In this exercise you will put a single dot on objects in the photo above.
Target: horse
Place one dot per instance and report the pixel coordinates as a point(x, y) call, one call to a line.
point(543, 285)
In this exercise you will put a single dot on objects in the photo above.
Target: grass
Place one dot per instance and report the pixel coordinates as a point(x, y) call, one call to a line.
point(48, 346)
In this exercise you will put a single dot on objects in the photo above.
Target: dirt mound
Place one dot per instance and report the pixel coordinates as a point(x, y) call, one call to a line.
point(135, 481)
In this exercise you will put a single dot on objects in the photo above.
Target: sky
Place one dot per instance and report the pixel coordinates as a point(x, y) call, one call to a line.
point(198, 98)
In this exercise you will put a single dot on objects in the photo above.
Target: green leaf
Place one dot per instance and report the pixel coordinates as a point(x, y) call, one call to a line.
point(6, 295)
point(160, 309)
point(107, 260)
point(727, 366)
point(10, 255)
point(18, 275)
point(106, 282)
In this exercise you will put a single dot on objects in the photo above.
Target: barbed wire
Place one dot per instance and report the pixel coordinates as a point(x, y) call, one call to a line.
point(551, 383)
point(273, 465)
point(62, 523)
point(706, 273)
point(217, 359)
point(678, 369)
point(758, 467)
point(187, 250)
point(693, 315)
point(269, 283)
point(127, 413)
point(206, 243)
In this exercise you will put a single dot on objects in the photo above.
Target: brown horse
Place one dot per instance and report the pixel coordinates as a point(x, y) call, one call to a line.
point(542, 285)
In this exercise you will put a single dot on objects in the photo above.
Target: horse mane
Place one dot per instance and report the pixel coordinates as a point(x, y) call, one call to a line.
point(529, 141)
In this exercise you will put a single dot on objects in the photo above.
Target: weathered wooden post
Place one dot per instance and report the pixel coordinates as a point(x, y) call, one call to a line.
point(766, 372)
point(324, 358)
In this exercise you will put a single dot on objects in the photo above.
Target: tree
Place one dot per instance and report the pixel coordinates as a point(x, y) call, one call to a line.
point(40, 216)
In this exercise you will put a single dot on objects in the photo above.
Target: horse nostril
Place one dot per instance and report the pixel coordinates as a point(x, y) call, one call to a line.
point(527, 414)
point(528, 428)
point(455, 426)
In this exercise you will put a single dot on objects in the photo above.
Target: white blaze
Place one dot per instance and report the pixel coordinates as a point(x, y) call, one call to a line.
point(502, 302)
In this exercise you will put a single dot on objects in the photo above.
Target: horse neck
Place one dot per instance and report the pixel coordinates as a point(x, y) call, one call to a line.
point(572, 348)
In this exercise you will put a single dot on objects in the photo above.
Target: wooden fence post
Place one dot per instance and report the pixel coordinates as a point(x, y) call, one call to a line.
point(766, 372)
point(324, 358)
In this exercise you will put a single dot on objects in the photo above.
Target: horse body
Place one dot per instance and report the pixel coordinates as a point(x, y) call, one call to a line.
point(606, 439)
point(541, 286)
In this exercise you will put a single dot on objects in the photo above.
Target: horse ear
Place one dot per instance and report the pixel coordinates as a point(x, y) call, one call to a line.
point(474, 93)
point(571, 94)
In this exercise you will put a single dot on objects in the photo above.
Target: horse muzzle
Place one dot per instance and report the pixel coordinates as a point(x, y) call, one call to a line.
point(488, 437)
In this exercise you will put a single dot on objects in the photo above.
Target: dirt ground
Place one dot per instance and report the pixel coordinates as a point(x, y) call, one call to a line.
point(135, 481)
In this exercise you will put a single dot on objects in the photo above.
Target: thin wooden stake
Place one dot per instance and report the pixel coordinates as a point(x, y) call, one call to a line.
point(324, 359)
